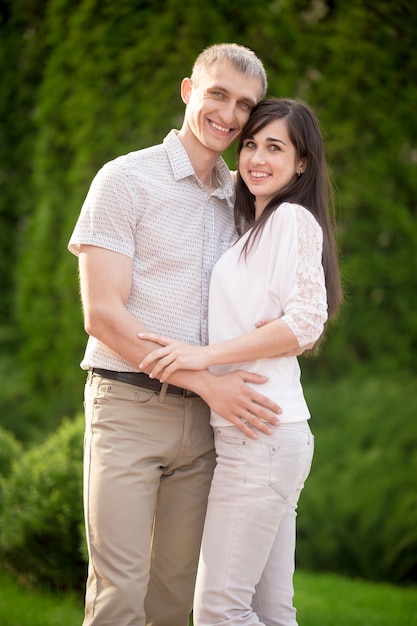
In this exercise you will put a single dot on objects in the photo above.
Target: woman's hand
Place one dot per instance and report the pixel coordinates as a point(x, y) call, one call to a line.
point(173, 356)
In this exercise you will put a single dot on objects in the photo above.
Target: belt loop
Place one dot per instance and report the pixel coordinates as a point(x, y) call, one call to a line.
point(163, 392)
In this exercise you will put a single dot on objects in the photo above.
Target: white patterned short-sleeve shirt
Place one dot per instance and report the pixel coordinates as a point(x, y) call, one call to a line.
point(149, 206)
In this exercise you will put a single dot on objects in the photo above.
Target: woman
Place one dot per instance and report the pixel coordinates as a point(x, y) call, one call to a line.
point(283, 269)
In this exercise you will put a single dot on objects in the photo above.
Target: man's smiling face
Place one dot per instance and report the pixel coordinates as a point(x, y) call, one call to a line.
point(218, 106)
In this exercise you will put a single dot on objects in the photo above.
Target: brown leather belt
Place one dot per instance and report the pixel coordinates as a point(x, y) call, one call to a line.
point(142, 380)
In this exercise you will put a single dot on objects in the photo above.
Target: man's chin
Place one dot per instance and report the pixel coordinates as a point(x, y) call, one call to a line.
point(221, 144)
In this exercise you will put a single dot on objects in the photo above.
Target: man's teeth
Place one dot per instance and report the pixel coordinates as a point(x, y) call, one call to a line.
point(223, 130)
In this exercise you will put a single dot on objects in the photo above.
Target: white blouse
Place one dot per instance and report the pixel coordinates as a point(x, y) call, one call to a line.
point(282, 276)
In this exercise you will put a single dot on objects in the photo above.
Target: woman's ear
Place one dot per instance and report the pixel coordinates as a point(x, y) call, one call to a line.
point(186, 88)
point(301, 168)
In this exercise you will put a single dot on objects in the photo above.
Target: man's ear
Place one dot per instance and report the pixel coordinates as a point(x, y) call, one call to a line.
point(186, 88)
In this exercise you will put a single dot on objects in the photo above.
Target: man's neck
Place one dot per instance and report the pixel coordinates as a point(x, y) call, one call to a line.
point(202, 159)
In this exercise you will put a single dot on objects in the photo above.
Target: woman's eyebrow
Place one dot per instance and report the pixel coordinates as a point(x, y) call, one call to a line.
point(277, 140)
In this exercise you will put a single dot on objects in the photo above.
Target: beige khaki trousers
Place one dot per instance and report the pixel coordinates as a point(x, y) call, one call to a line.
point(148, 465)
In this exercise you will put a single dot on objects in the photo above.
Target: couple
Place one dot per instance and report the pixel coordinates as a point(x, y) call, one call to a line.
point(152, 227)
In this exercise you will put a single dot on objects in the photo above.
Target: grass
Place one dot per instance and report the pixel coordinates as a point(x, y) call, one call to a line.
point(21, 607)
point(330, 600)
point(322, 600)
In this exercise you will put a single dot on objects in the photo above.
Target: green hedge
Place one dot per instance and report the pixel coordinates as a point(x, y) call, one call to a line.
point(357, 514)
point(41, 529)
point(92, 79)
point(10, 450)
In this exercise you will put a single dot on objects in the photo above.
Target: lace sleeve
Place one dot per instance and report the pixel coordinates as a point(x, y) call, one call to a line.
point(305, 310)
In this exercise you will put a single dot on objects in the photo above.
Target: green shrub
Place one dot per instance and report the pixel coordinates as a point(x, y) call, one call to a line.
point(10, 449)
point(358, 512)
point(41, 519)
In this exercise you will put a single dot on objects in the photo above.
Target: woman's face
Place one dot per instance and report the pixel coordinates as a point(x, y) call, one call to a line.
point(268, 161)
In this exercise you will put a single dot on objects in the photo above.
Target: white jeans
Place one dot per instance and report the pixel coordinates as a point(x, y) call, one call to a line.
point(246, 568)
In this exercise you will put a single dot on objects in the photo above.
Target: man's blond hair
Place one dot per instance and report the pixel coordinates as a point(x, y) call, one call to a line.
point(242, 58)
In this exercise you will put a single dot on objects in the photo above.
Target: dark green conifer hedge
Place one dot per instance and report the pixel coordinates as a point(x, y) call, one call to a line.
point(88, 80)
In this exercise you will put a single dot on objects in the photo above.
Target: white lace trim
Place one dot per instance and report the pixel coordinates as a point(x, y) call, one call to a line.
point(306, 312)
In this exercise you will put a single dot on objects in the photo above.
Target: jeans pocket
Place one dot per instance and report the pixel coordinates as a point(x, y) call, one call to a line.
point(119, 392)
point(229, 435)
point(290, 466)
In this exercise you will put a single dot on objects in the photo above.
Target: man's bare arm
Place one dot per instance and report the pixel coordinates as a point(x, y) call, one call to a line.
point(105, 280)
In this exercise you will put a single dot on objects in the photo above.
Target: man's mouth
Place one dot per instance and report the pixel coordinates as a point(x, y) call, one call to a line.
point(220, 128)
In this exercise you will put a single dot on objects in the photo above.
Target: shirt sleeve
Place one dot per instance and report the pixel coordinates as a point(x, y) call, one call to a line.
point(300, 274)
point(107, 218)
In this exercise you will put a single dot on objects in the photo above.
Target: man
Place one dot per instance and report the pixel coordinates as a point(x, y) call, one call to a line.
point(153, 224)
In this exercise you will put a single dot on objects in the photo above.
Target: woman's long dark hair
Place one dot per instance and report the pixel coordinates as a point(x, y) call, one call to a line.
point(312, 189)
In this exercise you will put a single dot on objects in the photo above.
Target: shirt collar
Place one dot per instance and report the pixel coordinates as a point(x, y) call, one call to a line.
point(182, 168)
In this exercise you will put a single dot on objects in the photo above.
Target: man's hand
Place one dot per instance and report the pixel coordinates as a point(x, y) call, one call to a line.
point(229, 396)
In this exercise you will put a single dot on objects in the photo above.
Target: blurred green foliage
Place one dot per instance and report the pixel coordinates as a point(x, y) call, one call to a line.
point(41, 528)
point(86, 80)
point(10, 448)
point(357, 513)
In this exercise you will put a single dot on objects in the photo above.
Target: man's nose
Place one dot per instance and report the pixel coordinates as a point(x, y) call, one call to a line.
point(228, 112)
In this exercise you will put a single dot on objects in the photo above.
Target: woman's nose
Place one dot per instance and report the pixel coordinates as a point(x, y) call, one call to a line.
point(258, 156)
